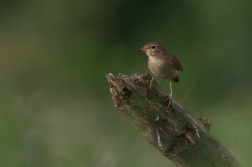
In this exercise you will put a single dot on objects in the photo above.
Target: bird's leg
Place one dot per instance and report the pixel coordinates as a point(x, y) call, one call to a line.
point(170, 95)
point(152, 82)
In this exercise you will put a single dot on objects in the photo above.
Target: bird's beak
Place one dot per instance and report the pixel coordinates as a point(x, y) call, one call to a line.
point(141, 49)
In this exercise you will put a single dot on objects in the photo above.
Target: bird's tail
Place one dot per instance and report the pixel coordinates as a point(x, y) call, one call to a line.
point(176, 79)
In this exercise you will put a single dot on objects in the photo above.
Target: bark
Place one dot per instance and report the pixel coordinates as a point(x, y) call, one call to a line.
point(178, 135)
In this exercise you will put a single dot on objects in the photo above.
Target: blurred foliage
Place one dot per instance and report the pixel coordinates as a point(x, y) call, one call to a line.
point(55, 107)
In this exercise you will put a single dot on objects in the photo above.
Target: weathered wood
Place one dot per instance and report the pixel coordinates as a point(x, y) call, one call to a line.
point(179, 136)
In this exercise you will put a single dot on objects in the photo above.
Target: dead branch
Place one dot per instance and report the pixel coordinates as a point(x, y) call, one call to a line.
point(178, 135)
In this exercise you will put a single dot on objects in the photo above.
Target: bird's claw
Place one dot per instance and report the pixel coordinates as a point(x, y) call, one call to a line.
point(152, 82)
point(170, 100)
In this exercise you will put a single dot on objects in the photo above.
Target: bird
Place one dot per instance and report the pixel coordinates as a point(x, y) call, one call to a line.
point(162, 64)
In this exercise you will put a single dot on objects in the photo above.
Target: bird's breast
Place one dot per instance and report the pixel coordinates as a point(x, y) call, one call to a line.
point(162, 68)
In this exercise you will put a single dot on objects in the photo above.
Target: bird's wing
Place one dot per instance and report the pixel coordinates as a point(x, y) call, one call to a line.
point(176, 63)
point(174, 60)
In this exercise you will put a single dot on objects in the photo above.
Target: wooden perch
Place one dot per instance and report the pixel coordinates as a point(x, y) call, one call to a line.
point(178, 135)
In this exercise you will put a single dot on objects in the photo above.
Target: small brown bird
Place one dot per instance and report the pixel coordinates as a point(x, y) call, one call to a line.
point(162, 64)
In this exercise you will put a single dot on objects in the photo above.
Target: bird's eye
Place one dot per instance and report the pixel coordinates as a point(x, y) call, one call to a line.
point(153, 47)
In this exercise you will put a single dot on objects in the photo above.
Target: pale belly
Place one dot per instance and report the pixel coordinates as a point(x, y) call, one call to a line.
point(162, 70)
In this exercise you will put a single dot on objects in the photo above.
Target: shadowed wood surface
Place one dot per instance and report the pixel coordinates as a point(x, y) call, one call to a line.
point(179, 136)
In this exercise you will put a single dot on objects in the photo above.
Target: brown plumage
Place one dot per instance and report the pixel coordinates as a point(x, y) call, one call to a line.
point(162, 63)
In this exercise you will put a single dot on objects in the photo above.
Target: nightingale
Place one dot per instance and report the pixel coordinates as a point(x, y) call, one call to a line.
point(162, 64)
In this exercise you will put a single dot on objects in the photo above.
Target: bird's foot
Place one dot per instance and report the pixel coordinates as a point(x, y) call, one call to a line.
point(152, 82)
point(170, 100)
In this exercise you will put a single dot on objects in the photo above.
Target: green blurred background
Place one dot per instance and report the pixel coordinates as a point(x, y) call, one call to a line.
point(55, 105)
